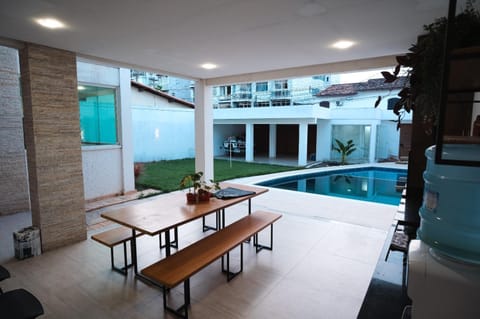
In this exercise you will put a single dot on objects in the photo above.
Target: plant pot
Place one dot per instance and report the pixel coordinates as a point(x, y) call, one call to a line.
point(203, 196)
point(191, 198)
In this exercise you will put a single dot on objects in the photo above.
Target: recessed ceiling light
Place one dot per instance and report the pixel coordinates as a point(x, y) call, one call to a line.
point(81, 88)
point(209, 66)
point(343, 44)
point(50, 23)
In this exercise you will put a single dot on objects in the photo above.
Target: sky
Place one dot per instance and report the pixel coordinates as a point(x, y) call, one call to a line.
point(362, 76)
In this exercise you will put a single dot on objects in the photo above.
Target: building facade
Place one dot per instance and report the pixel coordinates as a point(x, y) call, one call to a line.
point(302, 118)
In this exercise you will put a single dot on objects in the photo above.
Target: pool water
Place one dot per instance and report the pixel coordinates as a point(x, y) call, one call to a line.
point(372, 184)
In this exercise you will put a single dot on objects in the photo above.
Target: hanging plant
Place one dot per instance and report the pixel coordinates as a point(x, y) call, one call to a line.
point(423, 65)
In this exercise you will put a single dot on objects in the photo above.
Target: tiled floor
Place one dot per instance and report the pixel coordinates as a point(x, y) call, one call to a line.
point(325, 252)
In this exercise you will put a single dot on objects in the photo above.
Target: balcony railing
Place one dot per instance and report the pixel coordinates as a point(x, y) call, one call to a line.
point(281, 94)
point(242, 96)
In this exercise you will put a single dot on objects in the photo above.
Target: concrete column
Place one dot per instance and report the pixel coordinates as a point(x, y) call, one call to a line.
point(249, 142)
point(272, 141)
point(302, 144)
point(127, 132)
point(13, 166)
point(52, 139)
point(373, 143)
point(203, 130)
point(324, 140)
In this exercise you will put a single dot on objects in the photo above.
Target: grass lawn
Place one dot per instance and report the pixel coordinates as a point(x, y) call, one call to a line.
point(166, 175)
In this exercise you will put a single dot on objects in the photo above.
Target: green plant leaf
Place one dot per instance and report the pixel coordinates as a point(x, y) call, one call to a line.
point(377, 102)
point(397, 70)
point(402, 59)
point(389, 77)
point(404, 93)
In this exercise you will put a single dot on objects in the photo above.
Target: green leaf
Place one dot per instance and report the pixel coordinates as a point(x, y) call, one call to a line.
point(404, 93)
point(402, 59)
point(377, 102)
point(389, 77)
point(397, 70)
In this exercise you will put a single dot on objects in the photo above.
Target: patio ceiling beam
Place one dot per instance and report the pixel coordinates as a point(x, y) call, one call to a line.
point(337, 67)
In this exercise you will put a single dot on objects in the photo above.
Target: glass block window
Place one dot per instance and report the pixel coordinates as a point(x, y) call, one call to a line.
point(98, 115)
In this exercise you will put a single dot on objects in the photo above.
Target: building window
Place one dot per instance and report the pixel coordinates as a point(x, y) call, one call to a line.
point(261, 87)
point(225, 91)
point(391, 103)
point(98, 115)
point(281, 84)
point(325, 104)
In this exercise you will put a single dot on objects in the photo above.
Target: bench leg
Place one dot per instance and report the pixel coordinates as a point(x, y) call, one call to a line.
point(249, 213)
point(231, 275)
point(206, 227)
point(259, 247)
point(126, 265)
point(182, 311)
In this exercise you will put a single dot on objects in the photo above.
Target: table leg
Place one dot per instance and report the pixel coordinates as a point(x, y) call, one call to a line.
point(249, 213)
point(167, 242)
point(223, 218)
point(133, 248)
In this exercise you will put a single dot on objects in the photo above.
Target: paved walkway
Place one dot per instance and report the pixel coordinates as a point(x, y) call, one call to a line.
point(93, 209)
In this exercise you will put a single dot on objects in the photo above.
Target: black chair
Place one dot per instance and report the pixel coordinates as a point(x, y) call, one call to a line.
point(18, 303)
point(4, 274)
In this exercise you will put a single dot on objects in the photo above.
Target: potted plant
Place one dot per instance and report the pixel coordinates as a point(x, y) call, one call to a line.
point(424, 66)
point(198, 189)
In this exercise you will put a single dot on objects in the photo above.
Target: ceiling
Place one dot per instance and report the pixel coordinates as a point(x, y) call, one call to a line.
point(245, 36)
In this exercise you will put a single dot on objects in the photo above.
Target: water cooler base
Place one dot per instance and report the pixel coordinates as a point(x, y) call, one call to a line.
point(441, 287)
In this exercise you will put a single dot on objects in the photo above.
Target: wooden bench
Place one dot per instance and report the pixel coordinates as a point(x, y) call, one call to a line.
point(179, 267)
point(121, 235)
point(112, 238)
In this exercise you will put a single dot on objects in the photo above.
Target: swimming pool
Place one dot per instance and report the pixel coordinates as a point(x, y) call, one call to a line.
point(373, 184)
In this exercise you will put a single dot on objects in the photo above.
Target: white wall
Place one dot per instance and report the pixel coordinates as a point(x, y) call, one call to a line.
point(324, 138)
point(144, 98)
point(108, 170)
point(162, 133)
point(388, 138)
point(102, 171)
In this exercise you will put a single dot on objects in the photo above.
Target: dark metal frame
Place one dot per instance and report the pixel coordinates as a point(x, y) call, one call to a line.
point(168, 244)
point(123, 270)
point(173, 243)
point(259, 247)
point(217, 226)
point(181, 311)
point(230, 274)
point(450, 34)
